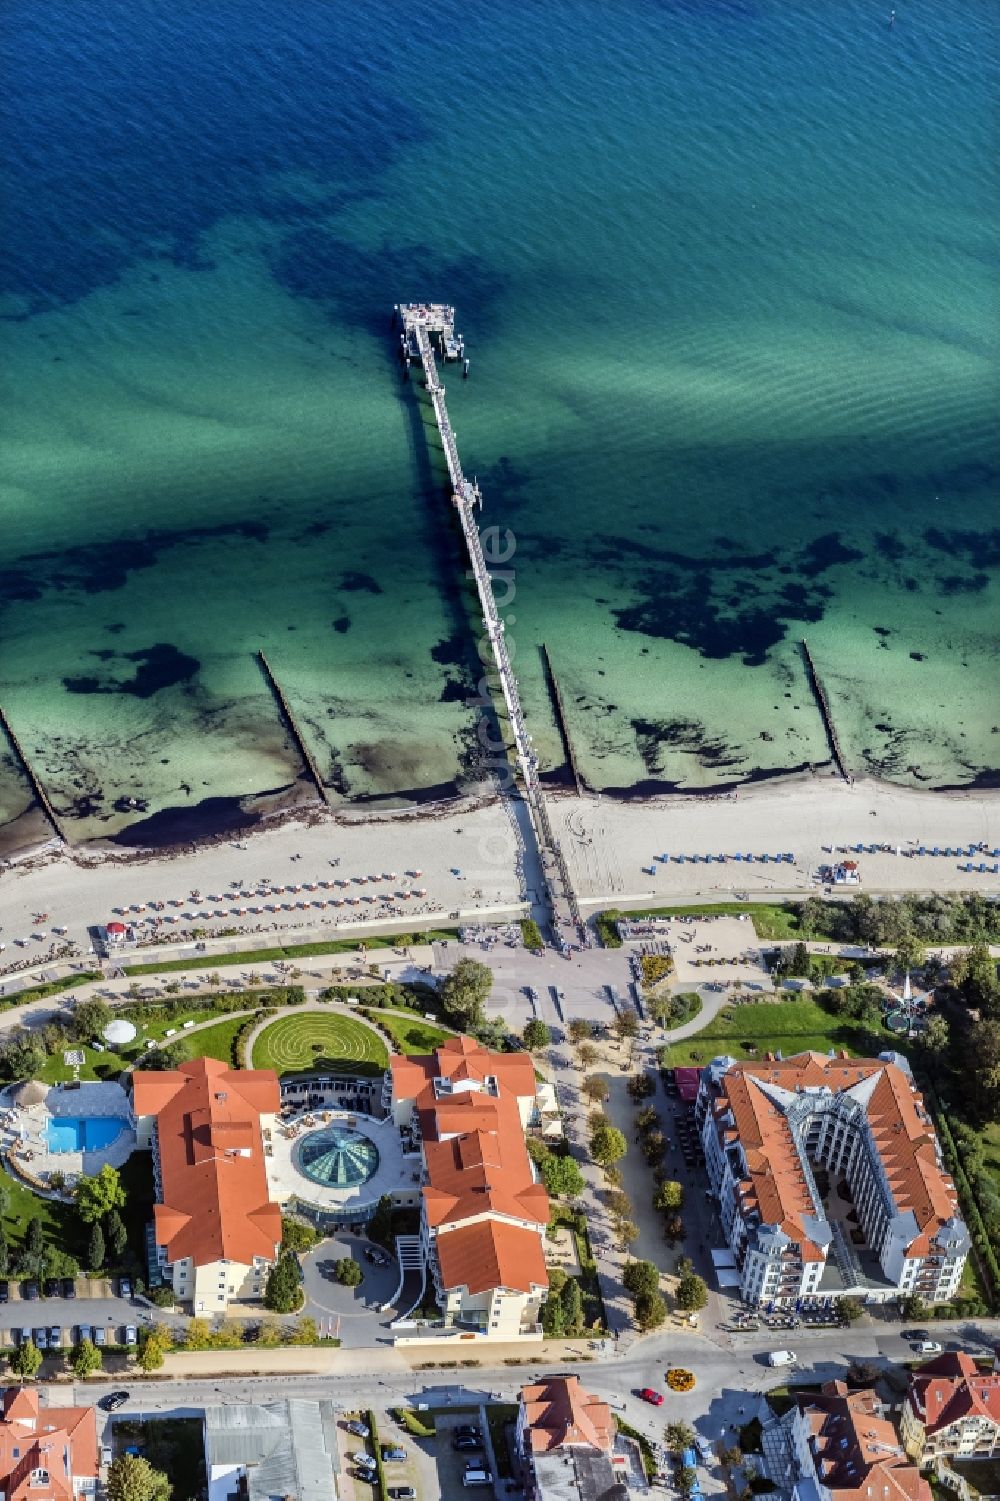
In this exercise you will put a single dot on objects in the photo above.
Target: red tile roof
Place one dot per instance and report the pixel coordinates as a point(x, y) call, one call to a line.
point(856, 1451)
point(466, 1099)
point(559, 1411)
point(492, 1254)
point(62, 1441)
point(951, 1387)
point(900, 1127)
point(215, 1196)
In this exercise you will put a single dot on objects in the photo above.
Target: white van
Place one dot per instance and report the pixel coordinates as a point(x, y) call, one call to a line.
point(477, 1477)
point(781, 1357)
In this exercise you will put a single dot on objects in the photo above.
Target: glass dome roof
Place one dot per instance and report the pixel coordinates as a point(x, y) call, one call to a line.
point(338, 1157)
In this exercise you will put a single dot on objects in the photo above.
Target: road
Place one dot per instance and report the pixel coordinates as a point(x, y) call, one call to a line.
point(726, 1379)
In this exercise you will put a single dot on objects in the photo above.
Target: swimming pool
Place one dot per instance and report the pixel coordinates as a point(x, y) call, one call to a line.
point(70, 1133)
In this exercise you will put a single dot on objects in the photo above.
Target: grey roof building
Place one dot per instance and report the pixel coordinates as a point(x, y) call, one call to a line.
point(279, 1451)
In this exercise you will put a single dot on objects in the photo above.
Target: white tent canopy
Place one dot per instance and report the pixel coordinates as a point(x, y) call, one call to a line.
point(119, 1031)
point(723, 1258)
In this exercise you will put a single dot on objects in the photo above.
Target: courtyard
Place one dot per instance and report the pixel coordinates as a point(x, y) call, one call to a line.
point(334, 1165)
point(65, 1130)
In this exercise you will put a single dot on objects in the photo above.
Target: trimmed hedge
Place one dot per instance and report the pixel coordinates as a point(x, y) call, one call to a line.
point(985, 1252)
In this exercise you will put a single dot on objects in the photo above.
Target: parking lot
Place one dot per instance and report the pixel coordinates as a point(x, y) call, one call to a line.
point(433, 1467)
point(105, 1319)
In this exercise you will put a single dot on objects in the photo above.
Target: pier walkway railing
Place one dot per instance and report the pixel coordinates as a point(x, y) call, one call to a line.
point(466, 497)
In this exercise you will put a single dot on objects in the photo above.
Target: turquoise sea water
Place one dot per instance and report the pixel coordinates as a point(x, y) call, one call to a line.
point(725, 272)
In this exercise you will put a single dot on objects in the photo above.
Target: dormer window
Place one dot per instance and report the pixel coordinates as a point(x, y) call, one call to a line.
point(39, 1477)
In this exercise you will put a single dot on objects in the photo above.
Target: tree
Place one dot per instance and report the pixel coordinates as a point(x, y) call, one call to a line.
point(619, 1204)
point(626, 1023)
point(96, 1253)
point(35, 1237)
point(465, 991)
point(538, 1149)
point(669, 1197)
point(116, 1235)
point(25, 1361)
point(380, 1224)
point(673, 1227)
point(850, 1309)
point(59, 1263)
point(587, 1054)
point(4, 1253)
point(96, 1197)
point(607, 1144)
point(562, 1177)
point(650, 1311)
point(641, 1086)
point(553, 1317)
point(678, 1437)
point(579, 1029)
point(282, 1294)
point(154, 1346)
point(298, 1235)
point(595, 1088)
point(692, 1293)
point(572, 1301)
point(198, 1335)
point(347, 1271)
point(85, 1359)
point(89, 1018)
point(686, 1479)
point(558, 1278)
point(626, 1231)
point(909, 952)
point(132, 1478)
point(536, 1035)
point(641, 1277)
point(936, 1038)
point(914, 1307)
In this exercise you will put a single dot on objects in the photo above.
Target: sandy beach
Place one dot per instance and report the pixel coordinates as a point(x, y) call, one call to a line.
point(316, 874)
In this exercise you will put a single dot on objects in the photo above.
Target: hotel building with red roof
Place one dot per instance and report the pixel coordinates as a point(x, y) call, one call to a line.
point(216, 1227)
point(46, 1453)
point(839, 1445)
point(890, 1224)
point(952, 1408)
point(483, 1212)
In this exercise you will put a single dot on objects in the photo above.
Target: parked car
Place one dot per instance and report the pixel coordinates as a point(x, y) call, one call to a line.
point(113, 1400)
point(929, 1347)
point(468, 1430)
point(125, 1287)
point(915, 1334)
point(392, 1454)
point(359, 1429)
point(55, 1336)
point(466, 1443)
point(25, 1337)
point(401, 1493)
point(51, 1287)
point(649, 1395)
point(41, 1339)
point(68, 1287)
point(365, 1462)
point(131, 1334)
point(29, 1290)
point(781, 1357)
point(4, 1292)
point(100, 1335)
point(82, 1333)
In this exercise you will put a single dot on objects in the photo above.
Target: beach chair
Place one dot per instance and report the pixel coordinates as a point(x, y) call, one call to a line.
point(737, 857)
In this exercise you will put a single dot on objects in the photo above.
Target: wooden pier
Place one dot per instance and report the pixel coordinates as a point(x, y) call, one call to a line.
point(421, 320)
point(819, 692)
point(561, 721)
point(296, 733)
point(36, 786)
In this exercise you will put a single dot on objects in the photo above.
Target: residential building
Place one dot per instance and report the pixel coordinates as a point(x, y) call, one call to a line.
point(566, 1439)
point(483, 1212)
point(839, 1446)
point(46, 1453)
point(216, 1228)
point(277, 1449)
point(952, 1408)
point(888, 1220)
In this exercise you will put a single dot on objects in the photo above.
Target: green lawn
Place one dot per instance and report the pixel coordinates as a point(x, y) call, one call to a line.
point(312, 1040)
point(411, 1034)
point(296, 951)
point(991, 1140)
point(767, 1027)
point(213, 1042)
point(60, 1220)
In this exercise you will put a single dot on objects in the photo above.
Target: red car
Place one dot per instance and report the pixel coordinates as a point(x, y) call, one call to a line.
point(648, 1395)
